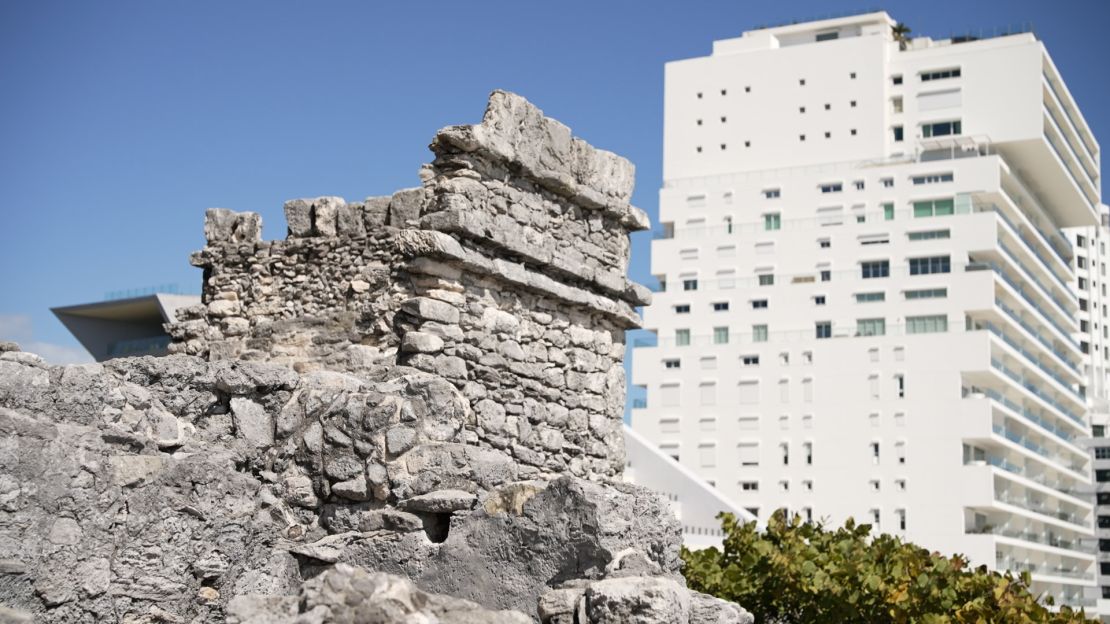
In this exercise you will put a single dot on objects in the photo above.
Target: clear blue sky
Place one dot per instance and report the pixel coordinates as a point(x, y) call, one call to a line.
point(120, 122)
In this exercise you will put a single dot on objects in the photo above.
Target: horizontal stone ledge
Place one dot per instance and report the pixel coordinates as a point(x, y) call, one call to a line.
point(427, 246)
point(516, 132)
point(514, 238)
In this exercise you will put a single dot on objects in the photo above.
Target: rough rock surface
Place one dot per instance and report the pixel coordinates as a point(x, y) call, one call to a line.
point(427, 385)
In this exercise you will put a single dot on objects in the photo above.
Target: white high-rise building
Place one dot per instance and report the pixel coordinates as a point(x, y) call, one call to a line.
point(867, 303)
point(1091, 258)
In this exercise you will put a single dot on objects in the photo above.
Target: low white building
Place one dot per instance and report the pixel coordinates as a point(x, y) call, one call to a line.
point(866, 302)
point(696, 504)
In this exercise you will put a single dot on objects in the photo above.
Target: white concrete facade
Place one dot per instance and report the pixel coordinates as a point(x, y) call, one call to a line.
point(867, 301)
point(694, 502)
point(1090, 263)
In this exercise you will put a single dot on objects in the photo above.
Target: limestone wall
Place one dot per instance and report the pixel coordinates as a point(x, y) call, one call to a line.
point(505, 272)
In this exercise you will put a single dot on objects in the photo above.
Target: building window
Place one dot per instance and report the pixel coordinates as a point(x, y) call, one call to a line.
point(900, 452)
point(827, 36)
point(784, 452)
point(699, 122)
point(682, 308)
point(708, 393)
point(1102, 452)
point(682, 337)
point(933, 207)
point(852, 103)
point(672, 363)
point(766, 279)
point(875, 269)
point(875, 453)
point(801, 109)
point(887, 182)
point(759, 333)
point(940, 74)
point(749, 360)
point(898, 134)
point(900, 485)
point(720, 306)
point(759, 304)
point(888, 211)
point(929, 235)
point(1098, 431)
point(807, 452)
point(826, 275)
point(871, 327)
point(690, 284)
point(927, 293)
point(936, 323)
point(858, 184)
point(748, 453)
point(833, 187)
point(698, 148)
point(941, 128)
point(828, 135)
point(819, 300)
point(772, 221)
point(870, 297)
point(824, 243)
point(1102, 475)
point(807, 485)
point(901, 515)
point(749, 486)
point(900, 385)
point(932, 178)
point(801, 137)
point(802, 81)
point(720, 335)
point(828, 106)
point(895, 79)
point(772, 193)
point(823, 329)
point(930, 265)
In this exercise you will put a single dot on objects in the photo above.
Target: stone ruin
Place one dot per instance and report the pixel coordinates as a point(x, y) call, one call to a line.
point(409, 410)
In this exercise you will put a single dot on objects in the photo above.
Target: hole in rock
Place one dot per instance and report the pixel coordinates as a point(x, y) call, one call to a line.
point(436, 526)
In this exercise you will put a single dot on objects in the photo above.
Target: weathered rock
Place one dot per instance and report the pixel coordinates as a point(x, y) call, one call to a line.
point(637, 600)
point(428, 384)
point(350, 594)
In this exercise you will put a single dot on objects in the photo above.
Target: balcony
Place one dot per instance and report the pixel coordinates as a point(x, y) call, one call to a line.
point(1054, 100)
point(1060, 354)
point(1027, 295)
point(1038, 417)
point(1047, 264)
point(1033, 388)
point(1030, 358)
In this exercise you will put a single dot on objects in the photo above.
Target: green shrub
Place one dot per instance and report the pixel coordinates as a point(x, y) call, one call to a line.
point(797, 572)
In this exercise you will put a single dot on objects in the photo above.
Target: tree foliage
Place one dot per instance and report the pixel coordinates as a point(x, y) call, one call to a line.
point(802, 572)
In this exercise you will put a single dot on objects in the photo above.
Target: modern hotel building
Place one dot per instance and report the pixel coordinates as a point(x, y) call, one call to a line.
point(867, 302)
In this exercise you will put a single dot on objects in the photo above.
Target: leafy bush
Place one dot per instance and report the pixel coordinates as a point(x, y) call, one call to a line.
point(801, 572)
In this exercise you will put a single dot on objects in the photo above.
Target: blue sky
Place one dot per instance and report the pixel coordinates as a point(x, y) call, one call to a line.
point(120, 122)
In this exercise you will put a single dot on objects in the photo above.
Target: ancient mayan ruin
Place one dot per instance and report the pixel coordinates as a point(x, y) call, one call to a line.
point(409, 410)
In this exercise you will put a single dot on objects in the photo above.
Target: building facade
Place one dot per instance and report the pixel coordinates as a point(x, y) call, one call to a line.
point(1094, 340)
point(867, 299)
